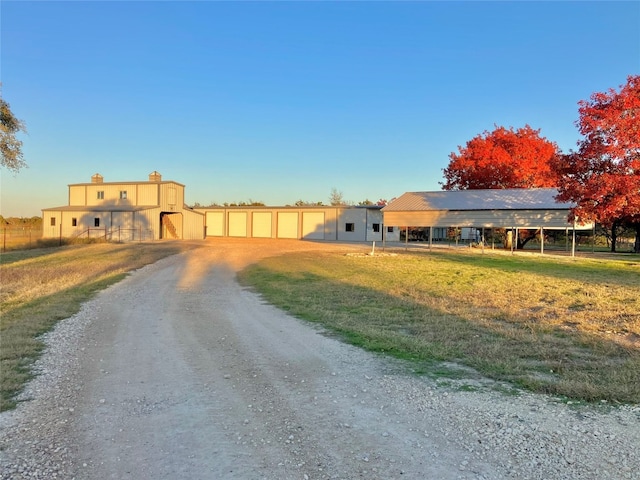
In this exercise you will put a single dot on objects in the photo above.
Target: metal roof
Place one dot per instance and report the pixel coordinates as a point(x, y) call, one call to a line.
point(493, 199)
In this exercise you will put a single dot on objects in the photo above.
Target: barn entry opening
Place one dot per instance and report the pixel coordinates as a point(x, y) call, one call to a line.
point(170, 225)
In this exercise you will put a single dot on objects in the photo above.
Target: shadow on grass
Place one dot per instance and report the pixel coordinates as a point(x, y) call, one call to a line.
point(545, 360)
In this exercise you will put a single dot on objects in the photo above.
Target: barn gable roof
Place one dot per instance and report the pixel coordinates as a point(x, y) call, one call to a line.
point(494, 199)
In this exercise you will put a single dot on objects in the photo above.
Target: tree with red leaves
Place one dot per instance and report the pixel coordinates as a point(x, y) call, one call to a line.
point(603, 176)
point(503, 158)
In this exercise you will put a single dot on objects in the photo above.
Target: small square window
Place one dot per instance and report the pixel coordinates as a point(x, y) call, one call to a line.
point(350, 227)
point(96, 222)
point(376, 227)
point(53, 221)
point(100, 194)
point(123, 194)
point(389, 229)
point(74, 222)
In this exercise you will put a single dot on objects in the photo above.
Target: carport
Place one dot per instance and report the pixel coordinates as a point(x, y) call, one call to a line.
point(517, 208)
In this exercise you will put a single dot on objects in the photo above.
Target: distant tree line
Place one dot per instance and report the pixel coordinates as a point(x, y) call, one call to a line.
point(336, 198)
point(34, 222)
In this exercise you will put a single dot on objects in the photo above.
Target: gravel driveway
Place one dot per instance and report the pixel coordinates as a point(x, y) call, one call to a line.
point(178, 372)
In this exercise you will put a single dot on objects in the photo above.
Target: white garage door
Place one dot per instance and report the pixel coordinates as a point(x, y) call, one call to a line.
point(237, 224)
point(313, 225)
point(287, 224)
point(261, 224)
point(215, 224)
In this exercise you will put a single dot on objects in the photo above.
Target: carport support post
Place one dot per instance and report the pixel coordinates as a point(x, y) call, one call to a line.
point(541, 240)
point(406, 237)
point(573, 240)
point(482, 239)
point(430, 237)
point(514, 234)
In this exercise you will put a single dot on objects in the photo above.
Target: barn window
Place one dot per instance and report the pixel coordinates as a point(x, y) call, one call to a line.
point(350, 227)
point(53, 221)
point(74, 222)
point(376, 227)
point(123, 194)
point(389, 229)
point(100, 194)
point(96, 222)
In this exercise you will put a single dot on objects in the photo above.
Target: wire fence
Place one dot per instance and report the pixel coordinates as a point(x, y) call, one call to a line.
point(27, 237)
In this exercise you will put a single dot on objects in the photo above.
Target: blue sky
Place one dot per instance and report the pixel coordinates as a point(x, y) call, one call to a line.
point(283, 101)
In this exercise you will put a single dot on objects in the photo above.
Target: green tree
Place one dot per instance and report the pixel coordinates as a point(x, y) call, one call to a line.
point(336, 198)
point(10, 146)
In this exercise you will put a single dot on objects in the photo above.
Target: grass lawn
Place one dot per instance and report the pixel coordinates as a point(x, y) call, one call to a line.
point(42, 286)
point(568, 327)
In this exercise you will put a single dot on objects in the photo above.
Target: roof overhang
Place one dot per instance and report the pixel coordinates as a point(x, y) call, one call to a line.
point(100, 208)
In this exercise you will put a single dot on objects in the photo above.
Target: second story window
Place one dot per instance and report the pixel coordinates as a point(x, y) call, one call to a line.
point(123, 194)
point(350, 227)
point(100, 194)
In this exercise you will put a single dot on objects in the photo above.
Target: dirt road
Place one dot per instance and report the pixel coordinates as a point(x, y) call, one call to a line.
point(180, 373)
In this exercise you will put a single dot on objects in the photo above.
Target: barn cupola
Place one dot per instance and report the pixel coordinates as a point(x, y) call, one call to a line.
point(155, 177)
point(96, 178)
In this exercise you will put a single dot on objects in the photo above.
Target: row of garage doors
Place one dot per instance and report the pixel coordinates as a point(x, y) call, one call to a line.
point(266, 224)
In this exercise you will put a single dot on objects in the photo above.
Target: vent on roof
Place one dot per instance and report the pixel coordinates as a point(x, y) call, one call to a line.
point(97, 178)
point(155, 177)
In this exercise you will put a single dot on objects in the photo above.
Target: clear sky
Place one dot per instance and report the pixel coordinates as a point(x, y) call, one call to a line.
point(283, 101)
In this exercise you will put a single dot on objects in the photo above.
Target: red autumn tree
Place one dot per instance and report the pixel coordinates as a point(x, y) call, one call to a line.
point(603, 176)
point(503, 158)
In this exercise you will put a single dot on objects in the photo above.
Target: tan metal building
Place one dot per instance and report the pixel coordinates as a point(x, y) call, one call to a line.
point(341, 223)
point(534, 208)
point(125, 211)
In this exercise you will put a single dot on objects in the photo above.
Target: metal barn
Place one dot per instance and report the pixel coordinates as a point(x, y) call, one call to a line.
point(124, 211)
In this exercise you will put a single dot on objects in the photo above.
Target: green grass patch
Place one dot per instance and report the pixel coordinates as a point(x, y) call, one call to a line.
point(556, 325)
